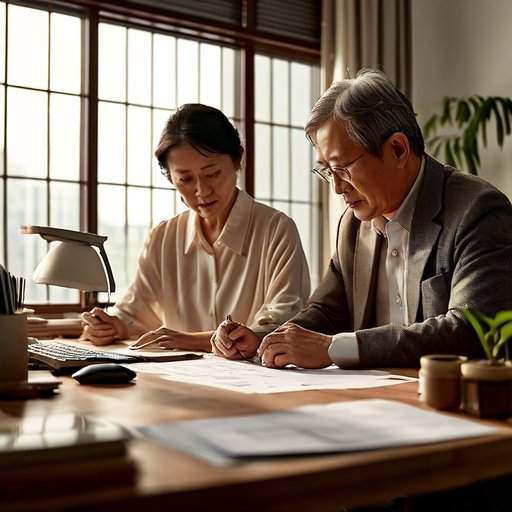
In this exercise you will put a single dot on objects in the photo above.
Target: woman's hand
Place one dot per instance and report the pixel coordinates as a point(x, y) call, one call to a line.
point(234, 341)
point(100, 328)
point(292, 344)
point(174, 340)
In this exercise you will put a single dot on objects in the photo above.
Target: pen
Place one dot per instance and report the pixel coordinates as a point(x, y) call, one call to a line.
point(255, 359)
point(228, 319)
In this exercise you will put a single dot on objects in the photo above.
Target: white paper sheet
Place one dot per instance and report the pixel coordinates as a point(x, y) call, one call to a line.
point(315, 429)
point(251, 378)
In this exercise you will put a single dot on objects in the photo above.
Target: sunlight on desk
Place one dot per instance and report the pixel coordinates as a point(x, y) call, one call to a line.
point(246, 377)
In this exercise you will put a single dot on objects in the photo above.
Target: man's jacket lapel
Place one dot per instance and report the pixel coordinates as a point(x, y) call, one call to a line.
point(424, 232)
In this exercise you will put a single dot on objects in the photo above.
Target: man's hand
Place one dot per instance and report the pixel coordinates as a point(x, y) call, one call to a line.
point(291, 344)
point(234, 341)
point(174, 340)
point(100, 328)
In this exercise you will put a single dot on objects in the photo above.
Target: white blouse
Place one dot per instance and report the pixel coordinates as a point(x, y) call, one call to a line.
point(255, 271)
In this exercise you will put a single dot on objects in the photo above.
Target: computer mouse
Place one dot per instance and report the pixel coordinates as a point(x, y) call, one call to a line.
point(104, 373)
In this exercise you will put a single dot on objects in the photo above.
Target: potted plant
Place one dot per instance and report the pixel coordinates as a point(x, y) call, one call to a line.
point(488, 383)
point(463, 124)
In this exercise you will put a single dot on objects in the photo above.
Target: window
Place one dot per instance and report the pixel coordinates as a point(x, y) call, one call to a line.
point(40, 97)
point(143, 76)
point(84, 96)
point(283, 178)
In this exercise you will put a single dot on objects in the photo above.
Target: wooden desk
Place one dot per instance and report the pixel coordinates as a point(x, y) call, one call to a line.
point(169, 479)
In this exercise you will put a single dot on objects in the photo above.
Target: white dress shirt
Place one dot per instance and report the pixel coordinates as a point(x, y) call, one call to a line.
point(391, 303)
point(255, 271)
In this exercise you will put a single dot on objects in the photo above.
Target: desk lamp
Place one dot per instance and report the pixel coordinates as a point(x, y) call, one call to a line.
point(73, 262)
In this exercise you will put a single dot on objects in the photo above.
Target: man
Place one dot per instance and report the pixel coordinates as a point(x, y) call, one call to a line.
point(417, 242)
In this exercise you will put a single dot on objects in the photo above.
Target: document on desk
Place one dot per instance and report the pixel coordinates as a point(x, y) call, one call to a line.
point(156, 354)
point(247, 377)
point(315, 429)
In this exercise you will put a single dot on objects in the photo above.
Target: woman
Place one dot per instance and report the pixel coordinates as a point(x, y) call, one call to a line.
point(226, 255)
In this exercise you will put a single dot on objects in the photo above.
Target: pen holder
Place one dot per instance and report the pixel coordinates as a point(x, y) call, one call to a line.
point(440, 381)
point(13, 351)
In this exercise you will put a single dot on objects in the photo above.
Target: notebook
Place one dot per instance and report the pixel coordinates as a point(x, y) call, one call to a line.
point(62, 454)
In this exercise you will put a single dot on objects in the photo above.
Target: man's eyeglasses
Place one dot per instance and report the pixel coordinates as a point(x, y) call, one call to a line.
point(326, 172)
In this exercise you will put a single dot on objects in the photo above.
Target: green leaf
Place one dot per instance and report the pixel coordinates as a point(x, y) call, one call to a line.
point(471, 166)
point(457, 152)
point(492, 341)
point(436, 144)
point(473, 320)
point(502, 317)
point(506, 114)
point(471, 147)
point(482, 317)
point(430, 126)
point(463, 112)
point(437, 149)
point(448, 154)
point(499, 124)
point(476, 153)
point(446, 117)
point(483, 117)
point(475, 105)
point(505, 334)
point(469, 140)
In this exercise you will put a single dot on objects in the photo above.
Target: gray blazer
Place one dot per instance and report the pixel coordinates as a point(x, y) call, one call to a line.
point(460, 253)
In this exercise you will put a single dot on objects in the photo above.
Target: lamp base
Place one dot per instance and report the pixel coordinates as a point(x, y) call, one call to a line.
point(39, 383)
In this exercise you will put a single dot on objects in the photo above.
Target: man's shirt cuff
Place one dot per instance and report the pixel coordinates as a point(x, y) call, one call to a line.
point(344, 350)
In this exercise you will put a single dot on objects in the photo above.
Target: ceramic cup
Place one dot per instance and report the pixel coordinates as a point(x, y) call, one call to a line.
point(440, 381)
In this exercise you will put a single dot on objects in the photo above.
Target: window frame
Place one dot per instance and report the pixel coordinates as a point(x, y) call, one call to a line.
point(245, 38)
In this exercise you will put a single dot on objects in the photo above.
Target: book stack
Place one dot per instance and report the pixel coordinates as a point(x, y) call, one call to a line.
point(61, 456)
point(43, 328)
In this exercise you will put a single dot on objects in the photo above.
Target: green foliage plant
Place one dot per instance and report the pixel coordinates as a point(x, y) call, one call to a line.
point(493, 333)
point(464, 122)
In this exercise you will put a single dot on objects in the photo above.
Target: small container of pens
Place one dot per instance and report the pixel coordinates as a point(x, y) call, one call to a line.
point(13, 332)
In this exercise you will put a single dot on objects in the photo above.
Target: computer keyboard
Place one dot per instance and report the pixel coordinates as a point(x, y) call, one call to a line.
point(63, 356)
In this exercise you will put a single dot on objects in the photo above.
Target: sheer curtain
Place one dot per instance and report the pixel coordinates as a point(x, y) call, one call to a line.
point(361, 34)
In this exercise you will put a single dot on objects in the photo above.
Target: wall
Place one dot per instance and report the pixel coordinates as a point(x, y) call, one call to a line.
point(463, 47)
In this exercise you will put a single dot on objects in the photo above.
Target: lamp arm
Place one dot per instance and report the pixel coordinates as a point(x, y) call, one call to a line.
point(111, 282)
point(59, 234)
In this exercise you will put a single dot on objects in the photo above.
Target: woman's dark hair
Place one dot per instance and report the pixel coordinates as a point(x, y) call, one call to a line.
point(205, 128)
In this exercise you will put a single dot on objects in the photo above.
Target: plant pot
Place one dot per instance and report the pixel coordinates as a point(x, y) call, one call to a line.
point(487, 389)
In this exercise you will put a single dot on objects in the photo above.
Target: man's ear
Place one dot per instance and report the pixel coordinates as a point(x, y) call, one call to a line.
point(399, 146)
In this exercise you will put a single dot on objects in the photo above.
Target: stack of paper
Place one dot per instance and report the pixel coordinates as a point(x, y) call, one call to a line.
point(315, 429)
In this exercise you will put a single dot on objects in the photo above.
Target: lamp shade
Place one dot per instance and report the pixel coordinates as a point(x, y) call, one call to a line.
point(73, 262)
point(72, 265)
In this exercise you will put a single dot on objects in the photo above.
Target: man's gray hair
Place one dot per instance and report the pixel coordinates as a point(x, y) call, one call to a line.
point(372, 109)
